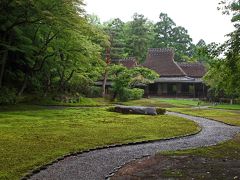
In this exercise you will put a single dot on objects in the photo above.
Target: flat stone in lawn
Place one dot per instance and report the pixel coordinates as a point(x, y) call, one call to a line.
point(135, 110)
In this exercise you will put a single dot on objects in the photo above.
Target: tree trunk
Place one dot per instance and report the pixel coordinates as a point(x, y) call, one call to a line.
point(104, 83)
point(4, 60)
point(47, 87)
point(24, 85)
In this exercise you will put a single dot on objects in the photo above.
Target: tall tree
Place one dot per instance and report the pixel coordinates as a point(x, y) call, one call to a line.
point(167, 34)
point(50, 37)
point(228, 69)
point(138, 36)
point(115, 30)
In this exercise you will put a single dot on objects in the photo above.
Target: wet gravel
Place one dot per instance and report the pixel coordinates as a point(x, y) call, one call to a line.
point(98, 164)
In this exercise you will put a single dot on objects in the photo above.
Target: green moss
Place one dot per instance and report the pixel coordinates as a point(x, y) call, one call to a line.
point(227, 106)
point(226, 150)
point(172, 173)
point(230, 117)
point(90, 102)
point(160, 111)
point(31, 136)
point(166, 103)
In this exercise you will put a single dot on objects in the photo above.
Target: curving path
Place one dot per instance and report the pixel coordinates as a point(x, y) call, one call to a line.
point(97, 164)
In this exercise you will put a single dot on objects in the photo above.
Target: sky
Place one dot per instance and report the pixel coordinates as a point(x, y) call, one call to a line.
point(200, 17)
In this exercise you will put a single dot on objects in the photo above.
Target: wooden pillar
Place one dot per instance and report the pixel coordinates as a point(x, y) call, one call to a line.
point(179, 88)
point(194, 90)
point(146, 90)
point(164, 89)
point(159, 89)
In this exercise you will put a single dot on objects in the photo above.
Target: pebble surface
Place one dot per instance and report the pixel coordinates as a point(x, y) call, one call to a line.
point(97, 164)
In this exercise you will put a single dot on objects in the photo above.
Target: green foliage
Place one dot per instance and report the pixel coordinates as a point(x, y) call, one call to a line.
point(115, 29)
point(161, 111)
point(46, 45)
point(167, 34)
point(124, 79)
point(111, 109)
point(134, 37)
point(135, 93)
point(130, 94)
point(7, 96)
point(206, 52)
point(224, 75)
point(69, 99)
point(94, 91)
point(139, 34)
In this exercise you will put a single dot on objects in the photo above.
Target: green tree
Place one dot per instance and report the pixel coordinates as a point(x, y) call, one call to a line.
point(124, 79)
point(167, 34)
point(45, 44)
point(206, 52)
point(115, 29)
point(138, 36)
point(224, 75)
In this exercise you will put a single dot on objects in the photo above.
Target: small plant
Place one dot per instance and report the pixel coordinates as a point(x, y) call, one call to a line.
point(111, 109)
point(161, 111)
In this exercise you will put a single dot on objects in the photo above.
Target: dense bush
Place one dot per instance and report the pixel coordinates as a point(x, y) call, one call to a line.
point(7, 96)
point(136, 93)
point(70, 98)
point(131, 94)
point(94, 92)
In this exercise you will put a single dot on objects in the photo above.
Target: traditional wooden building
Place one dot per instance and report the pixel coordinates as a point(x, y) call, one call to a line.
point(176, 79)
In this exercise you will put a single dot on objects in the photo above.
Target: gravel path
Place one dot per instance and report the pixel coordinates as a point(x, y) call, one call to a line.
point(98, 164)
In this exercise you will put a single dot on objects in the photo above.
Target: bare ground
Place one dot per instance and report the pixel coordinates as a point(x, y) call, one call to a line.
point(179, 167)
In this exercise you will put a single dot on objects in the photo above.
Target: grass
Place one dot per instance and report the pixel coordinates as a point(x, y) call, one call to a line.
point(31, 136)
point(227, 106)
point(229, 117)
point(215, 162)
point(226, 150)
point(164, 102)
point(147, 102)
point(170, 102)
point(185, 106)
point(89, 102)
point(183, 102)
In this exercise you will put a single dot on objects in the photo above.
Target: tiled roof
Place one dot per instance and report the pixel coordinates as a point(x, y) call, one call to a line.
point(161, 61)
point(193, 69)
point(127, 62)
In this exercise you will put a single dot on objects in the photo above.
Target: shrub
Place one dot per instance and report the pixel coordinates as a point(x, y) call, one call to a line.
point(8, 96)
point(111, 109)
point(94, 92)
point(136, 93)
point(161, 111)
point(131, 94)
